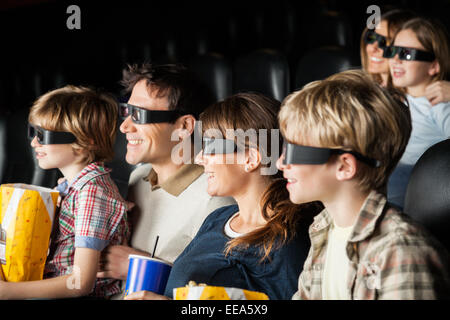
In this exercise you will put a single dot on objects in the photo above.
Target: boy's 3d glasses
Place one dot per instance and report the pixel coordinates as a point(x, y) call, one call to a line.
point(143, 116)
point(218, 146)
point(297, 154)
point(371, 36)
point(49, 137)
point(408, 54)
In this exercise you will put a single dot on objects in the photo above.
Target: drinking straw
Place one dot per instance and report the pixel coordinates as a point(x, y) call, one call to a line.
point(154, 248)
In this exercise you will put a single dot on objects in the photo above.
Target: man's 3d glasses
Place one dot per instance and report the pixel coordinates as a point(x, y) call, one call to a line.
point(297, 154)
point(49, 137)
point(144, 116)
point(371, 36)
point(408, 54)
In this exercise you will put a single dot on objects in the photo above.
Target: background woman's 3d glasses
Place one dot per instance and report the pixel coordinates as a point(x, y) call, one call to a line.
point(371, 36)
point(408, 54)
point(143, 116)
point(49, 137)
point(297, 154)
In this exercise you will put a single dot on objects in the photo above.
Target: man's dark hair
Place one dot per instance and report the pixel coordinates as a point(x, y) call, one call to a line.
point(183, 90)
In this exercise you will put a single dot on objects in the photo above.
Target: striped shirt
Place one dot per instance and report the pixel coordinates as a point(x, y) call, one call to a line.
point(391, 257)
point(92, 215)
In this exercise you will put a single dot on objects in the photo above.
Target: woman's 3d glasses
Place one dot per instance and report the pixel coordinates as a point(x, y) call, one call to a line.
point(49, 137)
point(219, 146)
point(297, 154)
point(143, 116)
point(408, 54)
point(371, 36)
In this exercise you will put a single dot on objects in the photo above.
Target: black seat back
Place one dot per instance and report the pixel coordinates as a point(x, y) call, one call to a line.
point(265, 71)
point(428, 194)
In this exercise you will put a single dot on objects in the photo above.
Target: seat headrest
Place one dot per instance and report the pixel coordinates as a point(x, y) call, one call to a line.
point(428, 194)
point(319, 63)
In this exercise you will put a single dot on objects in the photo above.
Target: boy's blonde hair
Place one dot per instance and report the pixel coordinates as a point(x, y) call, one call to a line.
point(350, 111)
point(91, 116)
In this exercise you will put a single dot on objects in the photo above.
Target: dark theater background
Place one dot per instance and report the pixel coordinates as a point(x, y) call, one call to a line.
point(269, 46)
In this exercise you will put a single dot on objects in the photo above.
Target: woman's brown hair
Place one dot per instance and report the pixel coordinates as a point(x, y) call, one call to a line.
point(255, 111)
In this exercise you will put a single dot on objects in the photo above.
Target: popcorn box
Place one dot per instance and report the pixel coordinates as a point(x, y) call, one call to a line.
point(26, 218)
point(205, 292)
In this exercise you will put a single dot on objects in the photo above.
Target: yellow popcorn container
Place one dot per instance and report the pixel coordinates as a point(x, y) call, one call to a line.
point(205, 292)
point(26, 218)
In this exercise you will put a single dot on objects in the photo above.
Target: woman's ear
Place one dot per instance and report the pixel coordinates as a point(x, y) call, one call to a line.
point(347, 166)
point(253, 160)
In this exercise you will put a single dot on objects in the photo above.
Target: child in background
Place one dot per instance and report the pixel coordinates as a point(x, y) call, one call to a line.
point(73, 129)
point(419, 57)
point(344, 136)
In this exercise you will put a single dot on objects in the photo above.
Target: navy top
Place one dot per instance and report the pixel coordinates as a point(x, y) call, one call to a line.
point(204, 261)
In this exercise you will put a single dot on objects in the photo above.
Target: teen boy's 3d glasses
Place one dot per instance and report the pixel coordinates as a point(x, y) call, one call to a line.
point(408, 54)
point(143, 116)
point(297, 154)
point(371, 36)
point(49, 137)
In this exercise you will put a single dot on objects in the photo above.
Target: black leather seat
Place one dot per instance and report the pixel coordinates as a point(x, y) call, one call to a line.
point(331, 28)
point(215, 72)
point(265, 71)
point(319, 63)
point(428, 194)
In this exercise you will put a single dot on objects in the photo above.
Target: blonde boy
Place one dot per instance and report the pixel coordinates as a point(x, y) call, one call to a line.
point(361, 247)
point(73, 129)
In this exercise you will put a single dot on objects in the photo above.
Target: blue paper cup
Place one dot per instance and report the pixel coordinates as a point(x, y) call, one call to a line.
point(145, 273)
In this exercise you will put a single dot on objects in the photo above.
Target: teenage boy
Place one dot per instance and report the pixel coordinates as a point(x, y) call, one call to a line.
point(170, 197)
point(344, 136)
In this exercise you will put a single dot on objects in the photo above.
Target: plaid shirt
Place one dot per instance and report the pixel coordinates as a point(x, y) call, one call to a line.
point(92, 215)
point(391, 257)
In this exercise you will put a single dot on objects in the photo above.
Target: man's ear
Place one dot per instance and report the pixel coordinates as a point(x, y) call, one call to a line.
point(186, 124)
point(347, 166)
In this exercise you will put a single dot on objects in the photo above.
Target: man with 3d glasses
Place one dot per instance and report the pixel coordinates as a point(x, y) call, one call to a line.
point(169, 197)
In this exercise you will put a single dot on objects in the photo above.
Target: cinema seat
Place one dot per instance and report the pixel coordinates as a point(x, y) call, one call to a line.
point(265, 71)
point(427, 197)
point(319, 63)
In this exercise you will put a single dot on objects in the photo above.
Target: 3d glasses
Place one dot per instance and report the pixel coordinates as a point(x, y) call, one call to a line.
point(297, 154)
point(143, 116)
point(49, 137)
point(371, 36)
point(408, 54)
point(219, 146)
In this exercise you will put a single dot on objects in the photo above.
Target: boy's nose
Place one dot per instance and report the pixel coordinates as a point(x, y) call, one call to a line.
point(35, 143)
point(280, 164)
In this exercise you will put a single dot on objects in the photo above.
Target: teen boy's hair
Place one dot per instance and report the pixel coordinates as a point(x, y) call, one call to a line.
point(90, 115)
point(350, 111)
point(182, 88)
